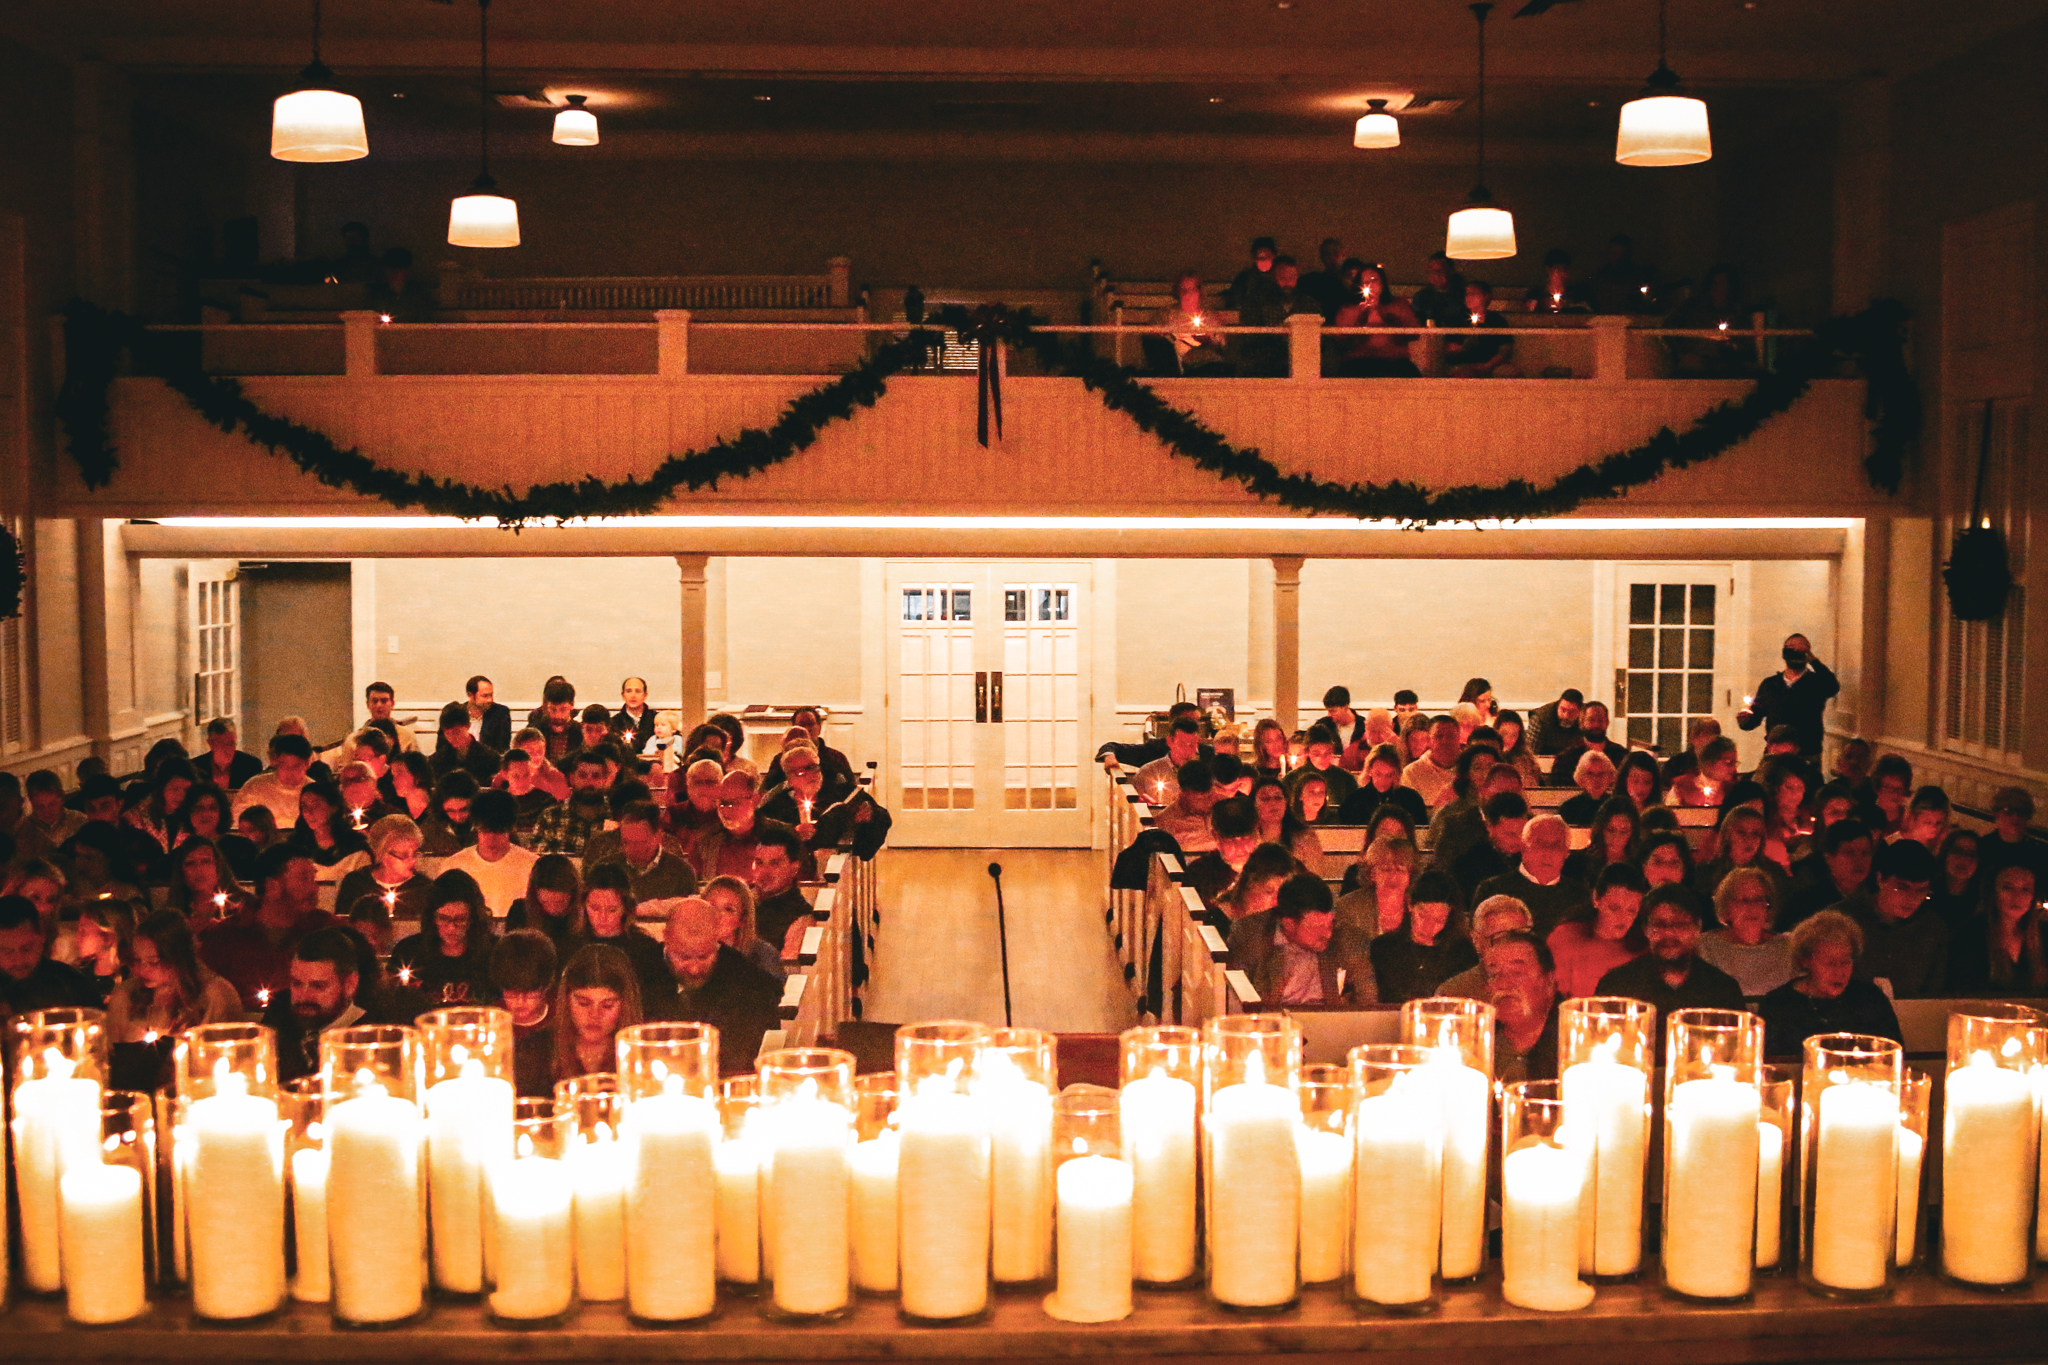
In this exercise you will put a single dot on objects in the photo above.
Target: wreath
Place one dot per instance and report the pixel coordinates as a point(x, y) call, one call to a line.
point(1869, 343)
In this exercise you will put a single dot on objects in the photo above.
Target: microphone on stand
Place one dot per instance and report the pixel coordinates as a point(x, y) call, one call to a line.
point(995, 872)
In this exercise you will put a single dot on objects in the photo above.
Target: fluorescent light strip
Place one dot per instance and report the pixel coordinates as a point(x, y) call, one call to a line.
point(1307, 524)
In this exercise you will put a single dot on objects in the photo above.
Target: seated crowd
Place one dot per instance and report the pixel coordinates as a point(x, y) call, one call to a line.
point(593, 869)
point(1349, 292)
point(1818, 899)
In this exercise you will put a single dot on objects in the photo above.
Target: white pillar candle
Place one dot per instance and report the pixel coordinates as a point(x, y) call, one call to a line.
point(1912, 1148)
point(534, 1274)
point(872, 1222)
point(309, 1224)
point(1710, 1191)
point(1021, 1197)
point(235, 1202)
point(1606, 1103)
point(1254, 1195)
point(1157, 1114)
point(376, 1207)
point(738, 1173)
point(1094, 1222)
point(1989, 1132)
point(1325, 1203)
point(1770, 1192)
point(1855, 1195)
point(1395, 1230)
point(942, 1204)
point(596, 1174)
point(671, 1205)
point(1541, 1187)
point(100, 1222)
point(54, 1117)
point(1465, 1095)
point(469, 1131)
point(807, 1196)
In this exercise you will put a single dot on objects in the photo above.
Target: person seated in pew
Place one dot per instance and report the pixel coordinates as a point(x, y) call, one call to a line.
point(781, 914)
point(1198, 352)
point(30, 979)
point(555, 719)
point(738, 924)
point(1559, 293)
point(1506, 814)
point(449, 960)
point(1234, 824)
point(392, 875)
point(1379, 904)
point(1521, 985)
point(204, 888)
point(693, 804)
point(516, 777)
point(460, 750)
point(1310, 803)
point(2008, 842)
point(447, 829)
point(1672, 975)
point(253, 950)
point(1746, 900)
point(331, 983)
point(1554, 726)
point(1428, 949)
point(326, 834)
point(598, 995)
point(1480, 357)
point(1380, 355)
point(606, 916)
point(1845, 855)
point(1905, 943)
point(1257, 887)
point(1431, 775)
point(1664, 856)
point(1381, 785)
point(551, 905)
point(1158, 781)
point(1491, 918)
point(523, 975)
point(1707, 784)
point(1588, 946)
point(1291, 954)
point(278, 790)
point(1700, 732)
point(408, 786)
point(1461, 825)
point(1319, 759)
point(500, 867)
point(1593, 719)
point(653, 860)
point(1278, 824)
point(169, 990)
point(361, 796)
point(568, 826)
point(546, 776)
point(1927, 818)
point(1739, 843)
point(1827, 994)
point(1999, 952)
point(705, 981)
point(1186, 816)
point(224, 763)
point(1595, 776)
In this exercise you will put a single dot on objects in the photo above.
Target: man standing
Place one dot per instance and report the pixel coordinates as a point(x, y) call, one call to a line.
point(1672, 976)
point(254, 949)
point(710, 983)
point(489, 720)
point(1795, 696)
point(1554, 727)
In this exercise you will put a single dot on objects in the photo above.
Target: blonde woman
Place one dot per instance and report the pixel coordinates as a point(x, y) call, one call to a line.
point(170, 991)
point(733, 899)
point(599, 994)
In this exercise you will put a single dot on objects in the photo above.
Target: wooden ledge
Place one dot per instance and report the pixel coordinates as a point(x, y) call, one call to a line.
point(1627, 1325)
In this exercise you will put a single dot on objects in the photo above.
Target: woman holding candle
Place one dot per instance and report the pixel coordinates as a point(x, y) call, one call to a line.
point(449, 960)
point(1381, 355)
point(325, 833)
point(392, 874)
point(203, 887)
point(206, 817)
point(1430, 946)
point(1825, 995)
point(2000, 953)
point(733, 899)
point(1746, 902)
point(1269, 748)
point(553, 899)
point(598, 996)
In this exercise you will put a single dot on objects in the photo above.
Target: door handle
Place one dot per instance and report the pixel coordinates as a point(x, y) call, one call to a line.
point(995, 697)
point(1620, 691)
point(981, 698)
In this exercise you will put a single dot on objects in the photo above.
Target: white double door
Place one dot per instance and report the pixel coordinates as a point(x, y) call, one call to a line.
point(987, 703)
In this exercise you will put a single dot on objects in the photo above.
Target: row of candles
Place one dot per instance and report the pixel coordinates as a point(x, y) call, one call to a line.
point(409, 1167)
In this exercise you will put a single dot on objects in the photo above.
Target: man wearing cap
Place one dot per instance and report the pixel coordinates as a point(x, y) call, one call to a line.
point(1905, 942)
point(1672, 975)
point(1795, 696)
point(461, 749)
point(2008, 845)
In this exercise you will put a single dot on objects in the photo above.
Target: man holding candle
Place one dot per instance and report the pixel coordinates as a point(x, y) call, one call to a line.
point(1159, 780)
point(1186, 816)
point(254, 949)
point(1796, 696)
point(1671, 975)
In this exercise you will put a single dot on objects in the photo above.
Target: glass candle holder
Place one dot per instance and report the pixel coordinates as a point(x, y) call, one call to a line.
point(57, 1060)
point(376, 1174)
point(303, 1107)
point(805, 1123)
point(590, 1109)
point(1161, 1069)
point(531, 1272)
point(1459, 1036)
point(232, 1160)
point(1093, 1192)
point(1014, 1078)
point(1544, 1171)
point(1778, 1117)
point(1251, 1067)
point(1712, 1106)
point(738, 1160)
point(1990, 1139)
point(668, 1081)
point(1324, 1145)
point(1848, 1164)
point(1916, 1092)
point(944, 1186)
point(1397, 1151)
point(1607, 1053)
point(467, 1055)
point(872, 1209)
point(106, 1199)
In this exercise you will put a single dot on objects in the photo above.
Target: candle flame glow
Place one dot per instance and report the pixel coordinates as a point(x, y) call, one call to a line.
point(263, 996)
point(1255, 1068)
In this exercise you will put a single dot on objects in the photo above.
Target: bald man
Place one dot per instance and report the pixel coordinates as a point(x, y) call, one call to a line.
point(709, 983)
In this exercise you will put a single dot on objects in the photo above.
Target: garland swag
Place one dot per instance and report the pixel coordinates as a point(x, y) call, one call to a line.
point(1870, 341)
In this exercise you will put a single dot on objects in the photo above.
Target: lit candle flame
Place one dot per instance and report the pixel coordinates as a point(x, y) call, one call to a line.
point(220, 900)
point(383, 317)
point(263, 996)
point(405, 976)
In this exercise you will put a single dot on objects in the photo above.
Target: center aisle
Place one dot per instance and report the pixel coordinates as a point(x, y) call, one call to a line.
point(937, 950)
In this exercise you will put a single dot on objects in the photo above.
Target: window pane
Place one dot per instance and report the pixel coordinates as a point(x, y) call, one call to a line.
point(1703, 604)
point(1673, 604)
point(1640, 649)
point(1670, 734)
point(1638, 693)
point(1703, 649)
point(963, 600)
point(1671, 649)
point(1670, 692)
point(1642, 599)
point(1638, 729)
point(1699, 694)
point(1013, 604)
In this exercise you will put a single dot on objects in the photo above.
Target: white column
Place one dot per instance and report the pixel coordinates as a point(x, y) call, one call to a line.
point(1610, 346)
point(694, 620)
point(672, 342)
point(359, 344)
point(1305, 346)
point(1287, 640)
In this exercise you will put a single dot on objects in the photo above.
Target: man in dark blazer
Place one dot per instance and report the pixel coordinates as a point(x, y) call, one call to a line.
point(710, 983)
point(489, 721)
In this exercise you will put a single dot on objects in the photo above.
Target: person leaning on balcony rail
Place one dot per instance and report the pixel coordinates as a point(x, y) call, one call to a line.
point(1198, 352)
point(1559, 292)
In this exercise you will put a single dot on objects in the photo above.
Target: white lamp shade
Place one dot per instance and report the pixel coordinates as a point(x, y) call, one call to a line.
point(483, 220)
point(318, 125)
point(1377, 130)
point(1480, 233)
point(1663, 130)
point(576, 128)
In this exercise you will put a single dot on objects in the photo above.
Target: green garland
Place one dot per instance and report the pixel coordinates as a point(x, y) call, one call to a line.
point(1870, 341)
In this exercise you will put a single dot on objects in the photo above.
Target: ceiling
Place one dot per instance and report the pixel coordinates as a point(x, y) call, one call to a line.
point(769, 69)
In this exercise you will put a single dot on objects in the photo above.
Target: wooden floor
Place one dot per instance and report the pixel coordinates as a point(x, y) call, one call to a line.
point(937, 955)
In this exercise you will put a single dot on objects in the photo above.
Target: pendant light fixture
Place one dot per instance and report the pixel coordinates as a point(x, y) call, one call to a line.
point(576, 126)
point(1378, 128)
point(1663, 126)
point(316, 123)
point(1481, 230)
point(483, 217)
